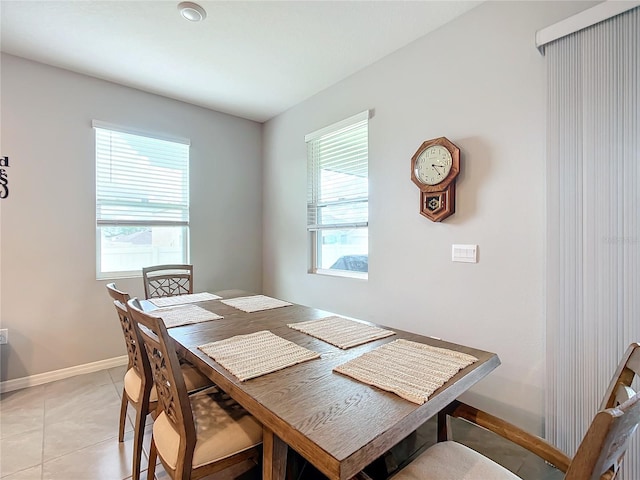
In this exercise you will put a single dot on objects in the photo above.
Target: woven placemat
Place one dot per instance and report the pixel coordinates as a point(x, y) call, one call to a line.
point(183, 315)
point(341, 332)
point(255, 303)
point(255, 354)
point(182, 299)
point(411, 370)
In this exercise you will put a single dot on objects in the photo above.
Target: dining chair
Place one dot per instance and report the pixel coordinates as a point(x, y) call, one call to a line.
point(198, 435)
point(598, 457)
point(138, 390)
point(167, 280)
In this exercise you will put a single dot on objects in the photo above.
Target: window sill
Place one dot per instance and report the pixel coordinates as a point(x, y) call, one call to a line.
point(341, 273)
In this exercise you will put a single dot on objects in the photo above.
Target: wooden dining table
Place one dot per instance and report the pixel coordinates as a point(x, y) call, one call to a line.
point(338, 424)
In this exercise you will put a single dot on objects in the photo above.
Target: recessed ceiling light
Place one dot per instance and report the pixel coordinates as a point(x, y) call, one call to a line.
point(192, 11)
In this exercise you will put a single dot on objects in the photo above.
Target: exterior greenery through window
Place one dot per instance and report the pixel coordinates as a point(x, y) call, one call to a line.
point(142, 201)
point(338, 197)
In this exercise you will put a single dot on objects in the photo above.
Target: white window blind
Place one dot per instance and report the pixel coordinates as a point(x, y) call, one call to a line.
point(593, 212)
point(338, 191)
point(338, 194)
point(140, 180)
point(142, 199)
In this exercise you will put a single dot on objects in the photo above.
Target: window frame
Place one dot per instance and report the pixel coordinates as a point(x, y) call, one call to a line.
point(313, 180)
point(100, 223)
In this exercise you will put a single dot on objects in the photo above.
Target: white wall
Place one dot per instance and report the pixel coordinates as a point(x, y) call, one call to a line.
point(480, 82)
point(57, 313)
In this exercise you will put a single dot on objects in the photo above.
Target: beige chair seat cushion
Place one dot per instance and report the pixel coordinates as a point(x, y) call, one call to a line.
point(223, 428)
point(193, 379)
point(453, 461)
point(133, 386)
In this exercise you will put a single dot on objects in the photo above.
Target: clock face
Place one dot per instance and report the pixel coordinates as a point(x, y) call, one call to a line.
point(433, 165)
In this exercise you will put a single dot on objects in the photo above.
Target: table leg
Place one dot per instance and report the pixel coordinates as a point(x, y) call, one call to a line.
point(274, 456)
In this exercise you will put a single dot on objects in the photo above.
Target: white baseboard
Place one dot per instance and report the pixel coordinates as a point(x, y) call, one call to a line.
point(39, 379)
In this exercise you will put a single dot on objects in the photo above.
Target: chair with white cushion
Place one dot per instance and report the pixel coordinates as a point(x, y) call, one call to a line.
point(139, 391)
point(598, 457)
point(198, 435)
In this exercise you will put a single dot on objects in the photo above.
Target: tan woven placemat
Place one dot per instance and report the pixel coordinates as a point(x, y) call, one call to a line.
point(183, 315)
point(255, 303)
point(341, 332)
point(411, 370)
point(182, 299)
point(255, 354)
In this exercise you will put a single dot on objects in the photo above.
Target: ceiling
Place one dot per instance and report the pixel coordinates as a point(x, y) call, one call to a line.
point(252, 59)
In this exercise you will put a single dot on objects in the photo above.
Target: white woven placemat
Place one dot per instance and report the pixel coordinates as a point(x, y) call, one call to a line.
point(411, 370)
point(255, 303)
point(182, 299)
point(183, 315)
point(255, 354)
point(341, 332)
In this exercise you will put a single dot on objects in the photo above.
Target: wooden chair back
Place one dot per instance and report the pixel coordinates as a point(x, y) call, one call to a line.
point(603, 447)
point(168, 379)
point(620, 389)
point(602, 450)
point(167, 280)
point(135, 349)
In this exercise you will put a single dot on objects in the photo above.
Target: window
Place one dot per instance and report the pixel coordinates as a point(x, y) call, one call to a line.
point(142, 201)
point(338, 197)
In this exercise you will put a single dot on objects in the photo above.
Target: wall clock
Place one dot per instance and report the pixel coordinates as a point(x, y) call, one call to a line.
point(434, 169)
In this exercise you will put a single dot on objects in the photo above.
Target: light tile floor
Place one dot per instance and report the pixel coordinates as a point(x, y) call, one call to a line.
point(68, 430)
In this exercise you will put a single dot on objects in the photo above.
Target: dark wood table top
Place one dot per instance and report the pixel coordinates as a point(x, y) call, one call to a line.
point(337, 423)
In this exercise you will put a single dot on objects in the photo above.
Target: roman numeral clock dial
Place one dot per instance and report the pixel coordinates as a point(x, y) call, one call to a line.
point(434, 169)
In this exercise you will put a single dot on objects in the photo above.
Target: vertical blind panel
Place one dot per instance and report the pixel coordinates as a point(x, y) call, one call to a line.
point(593, 310)
point(140, 178)
point(338, 183)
